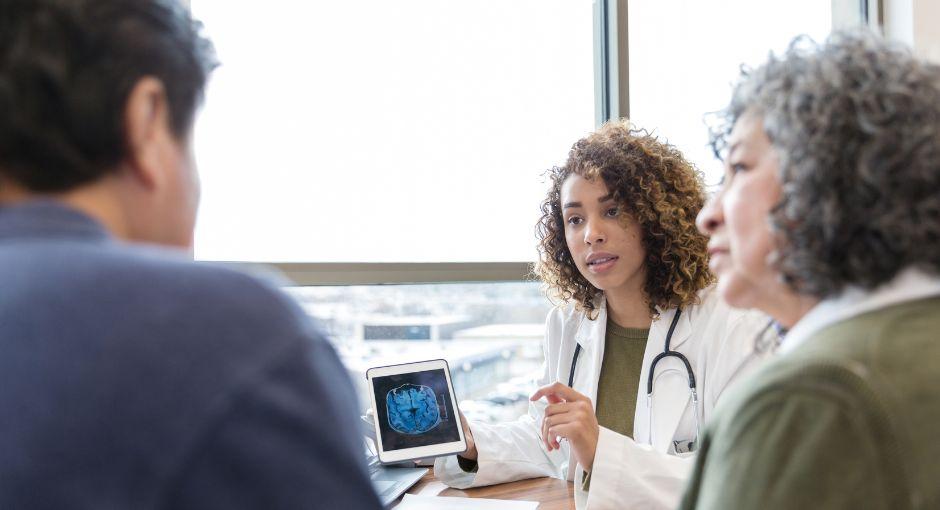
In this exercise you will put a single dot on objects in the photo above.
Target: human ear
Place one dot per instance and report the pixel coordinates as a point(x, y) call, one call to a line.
point(147, 130)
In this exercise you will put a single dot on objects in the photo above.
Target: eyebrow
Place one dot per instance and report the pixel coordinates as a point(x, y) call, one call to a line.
point(571, 205)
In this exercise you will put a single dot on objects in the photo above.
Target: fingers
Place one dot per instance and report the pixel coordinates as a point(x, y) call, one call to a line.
point(566, 407)
point(565, 411)
point(471, 452)
point(549, 441)
point(464, 423)
point(556, 392)
point(561, 399)
point(566, 430)
point(576, 414)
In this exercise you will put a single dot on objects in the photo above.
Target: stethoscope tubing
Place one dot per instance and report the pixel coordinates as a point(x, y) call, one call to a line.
point(667, 353)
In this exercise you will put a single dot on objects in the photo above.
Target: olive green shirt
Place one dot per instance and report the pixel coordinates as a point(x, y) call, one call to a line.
point(619, 380)
point(620, 377)
point(849, 419)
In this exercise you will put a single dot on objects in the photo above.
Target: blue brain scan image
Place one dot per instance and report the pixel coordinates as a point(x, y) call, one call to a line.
point(412, 409)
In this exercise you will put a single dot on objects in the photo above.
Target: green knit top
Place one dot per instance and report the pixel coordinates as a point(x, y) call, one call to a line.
point(620, 377)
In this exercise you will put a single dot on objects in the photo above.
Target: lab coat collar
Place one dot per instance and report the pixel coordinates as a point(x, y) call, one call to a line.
point(590, 331)
point(909, 285)
point(683, 328)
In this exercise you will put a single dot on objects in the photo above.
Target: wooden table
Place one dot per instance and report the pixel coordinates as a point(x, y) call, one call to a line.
point(551, 493)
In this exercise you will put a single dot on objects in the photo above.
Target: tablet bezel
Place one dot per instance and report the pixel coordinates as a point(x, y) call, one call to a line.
point(418, 452)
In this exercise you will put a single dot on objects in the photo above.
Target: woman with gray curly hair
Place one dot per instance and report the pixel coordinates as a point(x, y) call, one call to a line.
point(828, 219)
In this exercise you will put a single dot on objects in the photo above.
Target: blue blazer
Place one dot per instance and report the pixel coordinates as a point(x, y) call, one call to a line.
point(132, 378)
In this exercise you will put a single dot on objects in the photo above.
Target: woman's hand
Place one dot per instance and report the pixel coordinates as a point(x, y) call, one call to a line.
point(471, 452)
point(569, 415)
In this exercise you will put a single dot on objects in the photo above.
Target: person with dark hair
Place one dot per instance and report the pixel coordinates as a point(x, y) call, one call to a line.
point(829, 221)
point(130, 376)
point(621, 254)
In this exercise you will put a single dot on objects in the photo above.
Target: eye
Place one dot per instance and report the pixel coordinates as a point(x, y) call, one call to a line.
point(574, 220)
point(738, 167)
point(613, 212)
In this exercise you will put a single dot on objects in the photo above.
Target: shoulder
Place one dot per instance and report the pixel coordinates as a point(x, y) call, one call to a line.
point(567, 318)
point(778, 441)
point(155, 293)
point(792, 382)
point(564, 315)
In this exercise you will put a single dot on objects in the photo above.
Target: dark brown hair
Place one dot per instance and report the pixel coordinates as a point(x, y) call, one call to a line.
point(654, 185)
point(67, 68)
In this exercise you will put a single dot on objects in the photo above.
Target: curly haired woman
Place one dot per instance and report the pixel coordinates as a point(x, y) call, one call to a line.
point(619, 249)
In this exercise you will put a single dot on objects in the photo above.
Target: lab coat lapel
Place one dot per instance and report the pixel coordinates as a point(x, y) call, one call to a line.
point(683, 328)
point(590, 336)
point(669, 387)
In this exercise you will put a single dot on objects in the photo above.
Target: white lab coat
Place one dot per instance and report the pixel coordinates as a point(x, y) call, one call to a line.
point(627, 473)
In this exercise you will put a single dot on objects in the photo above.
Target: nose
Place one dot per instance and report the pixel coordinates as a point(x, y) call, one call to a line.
point(594, 233)
point(711, 217)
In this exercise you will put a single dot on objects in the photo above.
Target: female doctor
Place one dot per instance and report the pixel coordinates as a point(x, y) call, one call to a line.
point(619, 248)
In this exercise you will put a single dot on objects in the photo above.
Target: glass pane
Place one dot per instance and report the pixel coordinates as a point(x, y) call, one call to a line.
point(387, 130)
point(685, 54)
point(489, 333)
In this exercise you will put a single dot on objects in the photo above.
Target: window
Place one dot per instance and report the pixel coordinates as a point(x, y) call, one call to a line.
point(387, 130)
point(403, 141)
point(685, 55)
point(489, 333)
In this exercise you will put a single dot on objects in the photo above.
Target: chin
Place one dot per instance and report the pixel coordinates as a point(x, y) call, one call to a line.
point(599, 284)
point(736, 292)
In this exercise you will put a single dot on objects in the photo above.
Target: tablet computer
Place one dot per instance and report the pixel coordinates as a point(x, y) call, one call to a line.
point(415, 411)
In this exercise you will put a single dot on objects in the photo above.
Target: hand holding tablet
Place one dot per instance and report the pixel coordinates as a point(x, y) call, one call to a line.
point(416, 414)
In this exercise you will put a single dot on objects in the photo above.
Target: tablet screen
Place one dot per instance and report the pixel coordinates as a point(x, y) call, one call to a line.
point(414, 410)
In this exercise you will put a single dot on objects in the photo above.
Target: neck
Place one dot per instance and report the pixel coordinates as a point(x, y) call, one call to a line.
point(787, 308)
point(95, 200)
point(628, 311)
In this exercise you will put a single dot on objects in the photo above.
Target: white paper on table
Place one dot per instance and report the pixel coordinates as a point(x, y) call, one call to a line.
point(412, 502)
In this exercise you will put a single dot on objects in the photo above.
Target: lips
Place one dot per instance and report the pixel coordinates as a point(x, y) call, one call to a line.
point(600, 262)
point(717, 249)
point(717, 256)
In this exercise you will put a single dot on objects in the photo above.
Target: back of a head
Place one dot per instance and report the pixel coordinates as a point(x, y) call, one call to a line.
point(66, 70)
point(856, 124)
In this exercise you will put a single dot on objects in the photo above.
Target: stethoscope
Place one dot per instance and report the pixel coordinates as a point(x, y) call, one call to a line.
point(667, 353)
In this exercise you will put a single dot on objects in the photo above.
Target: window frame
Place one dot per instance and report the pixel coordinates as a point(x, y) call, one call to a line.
point(611, 100)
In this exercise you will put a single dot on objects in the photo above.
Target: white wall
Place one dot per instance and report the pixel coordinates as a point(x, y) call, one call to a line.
point(914, 22)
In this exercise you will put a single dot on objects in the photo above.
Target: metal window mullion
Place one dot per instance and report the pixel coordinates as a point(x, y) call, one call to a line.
point(602, 110)
point(611, 61)
point(341, 273)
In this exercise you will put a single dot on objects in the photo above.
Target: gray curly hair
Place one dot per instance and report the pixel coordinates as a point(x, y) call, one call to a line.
point(856, 124)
